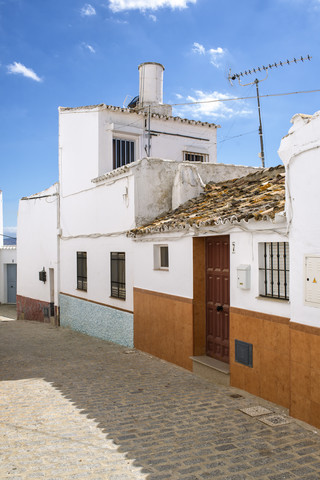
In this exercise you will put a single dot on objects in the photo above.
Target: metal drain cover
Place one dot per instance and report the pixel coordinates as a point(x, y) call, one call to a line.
point(274, 420)
point(255, 411)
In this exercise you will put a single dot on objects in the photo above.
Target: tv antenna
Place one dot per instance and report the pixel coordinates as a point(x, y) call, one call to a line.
point(264, 69)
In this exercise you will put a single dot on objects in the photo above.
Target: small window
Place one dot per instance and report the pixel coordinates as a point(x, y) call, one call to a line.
point(195, 157)
point(274, 270)
point(123, 152)
point(118, 275)
point(161, 257)
point(82, 271)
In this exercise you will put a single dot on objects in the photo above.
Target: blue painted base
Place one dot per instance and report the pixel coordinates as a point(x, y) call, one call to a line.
point(97, 320)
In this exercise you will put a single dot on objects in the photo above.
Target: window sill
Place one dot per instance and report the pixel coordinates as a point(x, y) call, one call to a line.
point(161, 269)
point(273, 299)
point(118, 298)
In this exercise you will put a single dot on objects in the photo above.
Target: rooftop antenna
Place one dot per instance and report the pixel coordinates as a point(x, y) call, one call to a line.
point(237, 76)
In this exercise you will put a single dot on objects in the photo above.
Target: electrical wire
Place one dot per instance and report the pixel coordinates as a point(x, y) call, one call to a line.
point(236, 136)
point(243, 98)
point(7, 236)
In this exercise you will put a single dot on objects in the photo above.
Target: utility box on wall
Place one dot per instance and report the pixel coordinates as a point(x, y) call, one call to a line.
point(312, 280)
point(243, 276)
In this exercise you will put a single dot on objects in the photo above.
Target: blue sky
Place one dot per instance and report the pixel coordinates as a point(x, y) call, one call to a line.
point(58, 53)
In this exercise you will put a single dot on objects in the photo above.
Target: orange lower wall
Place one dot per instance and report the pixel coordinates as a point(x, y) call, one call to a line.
point(285, 362)
point(163, 326)
point(305, 373)
point(270, 376)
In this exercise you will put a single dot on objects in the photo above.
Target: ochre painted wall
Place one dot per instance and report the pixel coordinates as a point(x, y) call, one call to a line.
point(199, 296)
point(270, 376)
point(305, 373)
point(163, 326)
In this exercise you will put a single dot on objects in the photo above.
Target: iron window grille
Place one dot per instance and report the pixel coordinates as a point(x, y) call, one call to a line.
point(82, 271)
point(123, 152)
point(118, 275)
point(195, 157)
point(274, 270)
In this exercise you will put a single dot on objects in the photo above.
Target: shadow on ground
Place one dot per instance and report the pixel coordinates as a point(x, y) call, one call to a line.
point(173, 424)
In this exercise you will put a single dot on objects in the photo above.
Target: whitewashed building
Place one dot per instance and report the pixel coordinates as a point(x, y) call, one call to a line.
point(149, 242)
point(228, 285)
point(8, 266)
point(118, 168)
point(37, 293)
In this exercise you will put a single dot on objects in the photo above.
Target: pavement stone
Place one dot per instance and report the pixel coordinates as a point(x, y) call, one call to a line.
point(77, 407)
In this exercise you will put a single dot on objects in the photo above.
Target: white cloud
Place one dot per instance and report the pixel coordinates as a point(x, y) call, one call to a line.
point(198, 48)
point(88, 10)
point(153, 17)
point(19, 69)
point(215, 54)
point(89, 47)
point(120, 5)
point(211, 108)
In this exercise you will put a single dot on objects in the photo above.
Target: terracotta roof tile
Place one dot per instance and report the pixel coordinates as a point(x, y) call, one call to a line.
point(258, 195)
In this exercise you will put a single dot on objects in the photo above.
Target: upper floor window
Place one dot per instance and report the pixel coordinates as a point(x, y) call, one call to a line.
point(123, 152)
point(195, 157)
point(161, 257)
point(274, 270)
point(118, 275)
point(82, 271)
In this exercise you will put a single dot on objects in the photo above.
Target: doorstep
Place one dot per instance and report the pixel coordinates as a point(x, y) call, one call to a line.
point(211, 369)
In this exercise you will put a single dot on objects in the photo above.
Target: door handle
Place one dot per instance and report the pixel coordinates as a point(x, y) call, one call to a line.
point(219, 308)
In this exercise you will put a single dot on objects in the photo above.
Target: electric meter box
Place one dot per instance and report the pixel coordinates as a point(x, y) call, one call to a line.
point(312, 280)
point(243, 276)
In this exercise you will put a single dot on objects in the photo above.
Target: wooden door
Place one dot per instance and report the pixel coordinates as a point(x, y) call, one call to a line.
point(218, 297)
point(12, 283)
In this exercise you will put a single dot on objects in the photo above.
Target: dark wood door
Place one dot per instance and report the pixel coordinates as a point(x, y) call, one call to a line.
point(218, 297)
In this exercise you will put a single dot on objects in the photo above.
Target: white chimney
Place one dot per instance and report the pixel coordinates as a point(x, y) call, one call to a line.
point(151, 87)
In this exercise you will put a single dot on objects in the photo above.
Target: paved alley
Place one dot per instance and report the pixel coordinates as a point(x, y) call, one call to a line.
point(76, 407)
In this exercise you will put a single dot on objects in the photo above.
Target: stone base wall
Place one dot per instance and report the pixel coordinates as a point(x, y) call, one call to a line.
point(36, 310)
point(97, 320)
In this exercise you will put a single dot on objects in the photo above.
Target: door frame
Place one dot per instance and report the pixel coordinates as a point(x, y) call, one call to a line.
point(199, 295)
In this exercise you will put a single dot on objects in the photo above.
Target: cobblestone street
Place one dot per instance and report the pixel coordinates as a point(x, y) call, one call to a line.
point(76, 407)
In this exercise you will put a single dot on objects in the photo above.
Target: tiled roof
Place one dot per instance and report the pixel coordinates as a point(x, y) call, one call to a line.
point(103, 106)
point(259, 195)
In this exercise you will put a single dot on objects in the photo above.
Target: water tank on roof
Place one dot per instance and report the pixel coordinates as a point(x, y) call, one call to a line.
point(150, 83)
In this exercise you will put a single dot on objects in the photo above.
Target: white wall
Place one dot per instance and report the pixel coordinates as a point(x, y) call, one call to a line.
point(98, 268)
point(86, 133)
point(246, 247)
point(78, 149)
point(300, 152)
point(178, 279)
point(37, 244)
point(105, 208)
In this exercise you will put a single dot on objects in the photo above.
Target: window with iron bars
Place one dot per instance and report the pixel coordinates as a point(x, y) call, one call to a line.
point(82, 271)
point(118, 275)
point(123, 152)
point(274, 270)
point(195, 157)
